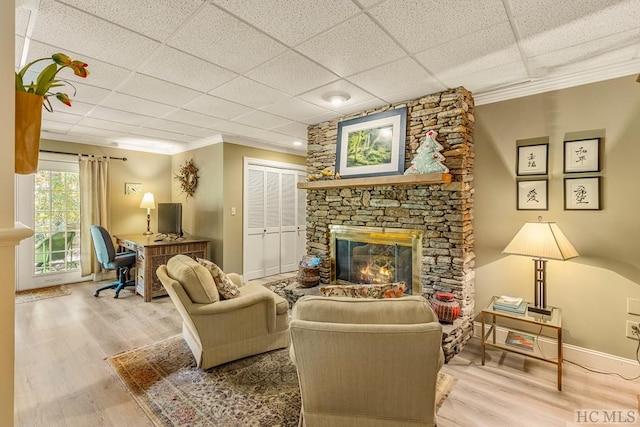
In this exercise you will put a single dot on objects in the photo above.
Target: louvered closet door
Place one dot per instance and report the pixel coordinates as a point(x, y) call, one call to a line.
point(301, 218)
point(255, 225)
point(288, 229)
point(271, 254)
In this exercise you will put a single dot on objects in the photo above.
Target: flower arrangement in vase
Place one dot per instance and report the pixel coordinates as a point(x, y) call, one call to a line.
point(31, 97)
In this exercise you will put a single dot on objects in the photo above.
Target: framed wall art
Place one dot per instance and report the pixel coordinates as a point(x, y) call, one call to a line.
point(582, 193)
point(532, 159)
point(582, 155)
point(533, 195)
point(373, 145)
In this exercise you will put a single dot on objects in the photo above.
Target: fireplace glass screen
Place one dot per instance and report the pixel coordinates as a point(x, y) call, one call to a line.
point(366, 255)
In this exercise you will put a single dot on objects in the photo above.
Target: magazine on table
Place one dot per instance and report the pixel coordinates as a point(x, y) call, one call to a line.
point(520, 340)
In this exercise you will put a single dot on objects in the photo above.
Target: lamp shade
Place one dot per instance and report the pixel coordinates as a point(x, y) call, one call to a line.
point(147, 201)
point(541, 240)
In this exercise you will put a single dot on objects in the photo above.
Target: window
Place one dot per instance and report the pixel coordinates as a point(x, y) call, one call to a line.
point(56, 221)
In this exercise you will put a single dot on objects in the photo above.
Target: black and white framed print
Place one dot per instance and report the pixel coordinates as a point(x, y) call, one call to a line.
point(582, 193)
point(533, 195)
point(582, 155)
point(532, 159)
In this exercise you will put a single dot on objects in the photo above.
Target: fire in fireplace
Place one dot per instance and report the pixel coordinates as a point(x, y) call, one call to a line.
point(364, 255)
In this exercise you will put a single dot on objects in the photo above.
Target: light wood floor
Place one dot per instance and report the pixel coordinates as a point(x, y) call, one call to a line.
point(62, 378)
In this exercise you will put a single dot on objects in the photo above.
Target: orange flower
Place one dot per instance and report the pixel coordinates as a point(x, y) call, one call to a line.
point(47, 78)
point(62, 97)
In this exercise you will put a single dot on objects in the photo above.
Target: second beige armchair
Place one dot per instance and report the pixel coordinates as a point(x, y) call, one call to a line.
point(366, 362)
point(218, 330)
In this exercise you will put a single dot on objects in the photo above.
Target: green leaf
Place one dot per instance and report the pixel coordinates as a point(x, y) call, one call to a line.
point(46, 79)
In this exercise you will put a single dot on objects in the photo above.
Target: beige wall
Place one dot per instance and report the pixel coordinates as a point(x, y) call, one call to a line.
point(7, 253)
point(233, 196)
point(208, 213)
point(151, 170)
point(592, 290)
point(201, 213)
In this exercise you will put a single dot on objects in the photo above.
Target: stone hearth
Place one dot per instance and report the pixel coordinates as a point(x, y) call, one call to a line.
point(443, 210)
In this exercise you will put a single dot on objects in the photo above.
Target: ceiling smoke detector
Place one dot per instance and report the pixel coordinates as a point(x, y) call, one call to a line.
point(337, 98)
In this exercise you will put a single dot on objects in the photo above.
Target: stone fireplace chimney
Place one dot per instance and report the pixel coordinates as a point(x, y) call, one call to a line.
point(442, 209)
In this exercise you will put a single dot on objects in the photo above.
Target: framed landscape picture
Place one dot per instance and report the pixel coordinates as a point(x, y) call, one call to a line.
point(532, 159)
point(372, 145)
point(582, 193)
point(532, 195)
point(582, 155)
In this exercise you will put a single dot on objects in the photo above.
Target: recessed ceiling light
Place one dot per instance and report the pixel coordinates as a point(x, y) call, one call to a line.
point(337, 98)
point(297, 143)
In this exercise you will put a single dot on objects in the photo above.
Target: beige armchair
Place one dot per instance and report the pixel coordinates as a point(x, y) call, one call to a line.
point(219, 331)
point(366, 362)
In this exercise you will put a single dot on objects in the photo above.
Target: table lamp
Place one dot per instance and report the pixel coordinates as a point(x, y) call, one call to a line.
point(148, 203)
point(543, 241)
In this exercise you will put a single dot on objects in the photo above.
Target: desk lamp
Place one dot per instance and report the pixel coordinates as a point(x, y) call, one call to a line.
point(543, 241)
point(148, 203)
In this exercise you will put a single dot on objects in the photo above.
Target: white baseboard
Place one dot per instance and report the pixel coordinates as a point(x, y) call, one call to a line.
point(592, 359)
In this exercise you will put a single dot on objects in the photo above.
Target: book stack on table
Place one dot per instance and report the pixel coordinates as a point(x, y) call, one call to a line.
point(510, 304)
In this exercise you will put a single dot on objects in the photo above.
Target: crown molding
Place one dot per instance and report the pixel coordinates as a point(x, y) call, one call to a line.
point(547, 84)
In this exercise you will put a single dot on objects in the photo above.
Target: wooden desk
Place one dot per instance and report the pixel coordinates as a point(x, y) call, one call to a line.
point(151, 254)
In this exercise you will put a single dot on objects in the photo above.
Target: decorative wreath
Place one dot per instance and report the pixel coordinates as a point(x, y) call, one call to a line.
point(188, 177)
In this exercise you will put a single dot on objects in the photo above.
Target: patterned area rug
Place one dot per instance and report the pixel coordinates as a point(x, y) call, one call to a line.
point(42, 293)
point(260, 390)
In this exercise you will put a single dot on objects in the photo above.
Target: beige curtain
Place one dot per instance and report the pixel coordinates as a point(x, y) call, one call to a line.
point(94, 208)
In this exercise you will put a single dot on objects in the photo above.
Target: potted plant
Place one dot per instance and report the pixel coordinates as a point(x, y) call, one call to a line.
point(30, 99)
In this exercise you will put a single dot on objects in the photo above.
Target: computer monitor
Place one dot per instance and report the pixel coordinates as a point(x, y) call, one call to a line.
point(170, 218)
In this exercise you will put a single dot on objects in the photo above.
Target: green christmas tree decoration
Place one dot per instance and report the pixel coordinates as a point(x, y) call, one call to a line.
point(428, 158)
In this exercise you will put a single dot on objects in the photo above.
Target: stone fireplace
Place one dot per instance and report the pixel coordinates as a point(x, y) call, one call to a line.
point(441, 206)
point(365, 255)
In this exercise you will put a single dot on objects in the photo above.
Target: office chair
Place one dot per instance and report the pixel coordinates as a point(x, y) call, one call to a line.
point(110, 260)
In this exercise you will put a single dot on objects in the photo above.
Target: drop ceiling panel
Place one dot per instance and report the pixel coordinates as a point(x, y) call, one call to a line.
point(84, 93)
point(55, 127)
point(543, 32)
point(78, 31)
point(352, 47)
point(133, 104)
point(157, 133)
point(193, 118)
point(222, 39)
point(22, 20)
point(119, 116)
point(158, 90)
point(295, 109)
point(174, 127)
point(19, 43)
point(291, 73)
point(249, 93)
point(485, 49)
point(104, 124)
point(217, 107)
point(619, 47)
point(295, 21)
point(155, 19)
point(398, 76)
point(501, 76)
point(175, 66)
point(419, 25)
point(295, 129)
point(100, 133)
point(317, 96)
point(262, 120)
point(60, 116)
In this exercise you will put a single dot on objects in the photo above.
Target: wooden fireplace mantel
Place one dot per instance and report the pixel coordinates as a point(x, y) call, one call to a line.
point(429, 178)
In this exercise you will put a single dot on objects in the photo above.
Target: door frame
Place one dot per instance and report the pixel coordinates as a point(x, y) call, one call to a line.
point(24, 212)
point(251, 161)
